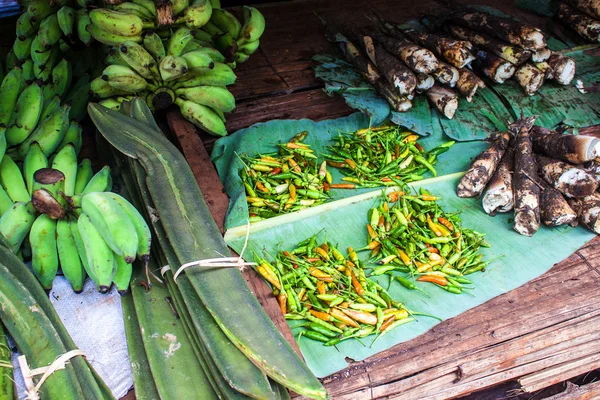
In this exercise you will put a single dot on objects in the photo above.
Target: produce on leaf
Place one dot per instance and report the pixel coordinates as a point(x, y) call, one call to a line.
point(499, 196)
point(586, 27)
point(575, 149)
point(555, 210)
point(570, 180)
point(444, 99)
point(588, 211)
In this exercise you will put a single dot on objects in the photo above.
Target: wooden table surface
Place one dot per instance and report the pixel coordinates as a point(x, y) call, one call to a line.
point(544, 332)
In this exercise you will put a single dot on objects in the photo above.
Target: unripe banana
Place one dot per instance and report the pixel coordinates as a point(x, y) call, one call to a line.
point(84, 175)
point(12, 180)
point(177, 42)
point(241, 57)
point(141, 227)
point(254, 25)
point(78, 98)
point(124, 78)
point(154, 45)
point(111, 103)
point(114, 58)
point(62, 75)
point(215, 3)
point(196, 15)
point(249, 48)
point(84, 3)
point(101, 182)
point(70, 262)
point(5, 201)
point(12, 60)
point(66, 162)
point(51, 106)
point(9, 93)
point(80, 246)
point(64, 47)
point(49, 32)
point(212, 30)
point(213, 53)
point(34, 161)
point(44, 257)
point(172, 68)
point(226, 21)
point(139, 60)
point(203, 117)
point(148, 4)
point(66, 20)
point(110, 38)
point(198, 61)
point(227, 45)
point(113, 224)
point(220, 75)
point(101, 89)
point(15, 224)
point(100, 258)
point(122, 275)
point(73, 136)
point(134, 9)
point(177, 6)
point(24, 26)
point(38, 52)
point(50, 133)
point(27, 75)
point(119, 23)
point(2, 142)
point(83, 21)
point(40, 9)
point(218, 98)
point(22, 47)
point(203, 36)
point(26, 115)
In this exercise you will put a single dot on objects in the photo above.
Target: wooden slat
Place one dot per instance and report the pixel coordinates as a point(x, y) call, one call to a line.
point(558, 373)
point(573, 392)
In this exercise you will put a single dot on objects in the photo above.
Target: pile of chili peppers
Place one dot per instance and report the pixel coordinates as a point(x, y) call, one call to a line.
point(382, 156)
point(414, 235)
point(331, 294)
point(284, 182)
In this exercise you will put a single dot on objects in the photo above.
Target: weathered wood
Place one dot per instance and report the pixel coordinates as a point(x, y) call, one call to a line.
point(583, 392)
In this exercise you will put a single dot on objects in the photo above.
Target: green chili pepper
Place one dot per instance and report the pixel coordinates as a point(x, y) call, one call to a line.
point(316, 336)
point(322, 330)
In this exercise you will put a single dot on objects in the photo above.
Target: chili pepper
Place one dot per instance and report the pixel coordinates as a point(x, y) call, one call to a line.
point(452, 289)
point(322, 330)
point(327, 325)
point(477, 267)
point(360, 316)
point(340, 316)
point(373, 297)
point(363, 307)
point(438, 280)
point(314, 336)
point(282, 300)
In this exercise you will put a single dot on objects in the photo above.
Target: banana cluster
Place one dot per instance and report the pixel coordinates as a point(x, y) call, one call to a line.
point(57, 213)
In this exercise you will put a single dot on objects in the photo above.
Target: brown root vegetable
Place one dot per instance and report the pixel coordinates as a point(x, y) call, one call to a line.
point(483, 167)
point(545, 68)
point(508, 52)
point(498, 196)
point(588, 211)
point(424, 82)
point(526, 191)
point(494, 67)
point(575, 149)
point(417, 58)
point(394, 70)
point(530, 78)
point(593, 167)
point(590, 7)
point(506, 29)
point(446, 74)
point(569, 179)
point(588, 28)
point(556, 210)
point(455, 52)
point(541, 55)
point(468, 83)
point(444, 99)
point(563, 68)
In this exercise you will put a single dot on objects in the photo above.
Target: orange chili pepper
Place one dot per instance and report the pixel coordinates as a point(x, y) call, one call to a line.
point(261, 187)
point(342, 186)
point(433, 226)
point(394, 196)
point(337, 314)
point(385, 207)
point(419, 147)
point(432, 249)
point(312, 259)
point(404, 257)
point(372, 233)
point(356, 284)
point(350, 163)
point(320, 275)
point(322, 253)
point(321, 287)
point(428, 197)
point(265, 271)
point(326, 186)
point(375, 251)
point(294, 165)
point(373, 245)
point(386, 179)
point(282, 300)
point(275, 171)
point(438, 280)
point(381, 221)
point(321, 315)
point(423, 267)
point(446, 223)
point(296, 145)
point(387, 323)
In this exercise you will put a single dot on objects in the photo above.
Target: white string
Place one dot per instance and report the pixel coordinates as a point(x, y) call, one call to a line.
point(28, 374)
point(218, 262)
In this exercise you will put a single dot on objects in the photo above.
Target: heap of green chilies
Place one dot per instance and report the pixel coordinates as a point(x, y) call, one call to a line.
point(382, 156)
point(284, 182)
point(416, 236)
point(330, 293)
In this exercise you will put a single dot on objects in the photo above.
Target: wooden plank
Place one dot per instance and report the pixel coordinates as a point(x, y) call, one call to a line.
point(574, 392)
point(561, 372)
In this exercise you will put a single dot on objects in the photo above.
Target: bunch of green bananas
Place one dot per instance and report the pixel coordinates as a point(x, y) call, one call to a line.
point(72, 220)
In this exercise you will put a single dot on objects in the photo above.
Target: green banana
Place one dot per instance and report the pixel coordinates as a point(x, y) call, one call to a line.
point(78, 98)
point(203, 36)
point(38, 52)
point(154, 45)
point(254, 25)
point(5, 201)
point(110, 38)
point(118, 23)
point(249, 48)
point(134, 9)
point(15, 224)
point(139, 60)
point(196, 15)
point(49, 134)
point(141, 227)
point(172, 68)
point(9, 93)
point(84, 175)
point(44, 257)
point(34, 161)
point(80, 246)
point(12, 60)
point(66, 20)
point(52, 104)
point(124, 78)
point(102, 90)
point(220, 75)
point(64, 47)
point(218, 98)
point(240, 57)
point(148, 4)
point(113, 224)
point(26, 114)
point(226, 21)
point(73, 136)
point(100, 258)
point(27, 75)
point(40, 9)
point(84, 3)
point(22, 47)
point(12, 180)
point(203, 117)
point(114, 58)
point(24, 26)
point(198, 61)
point(70, 262)
point(2, 143)
point(112, 103)
point(62, 75)
point(83, 21)
point(66, 162)
point(177, 42)
point(101, 182)
point(177, 6)
point(122, 275)
point(213, 53)
point(215, 3)
point(212, 30)
point(49, 32)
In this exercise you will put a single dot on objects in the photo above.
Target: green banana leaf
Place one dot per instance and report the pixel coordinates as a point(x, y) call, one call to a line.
point(517, 259)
